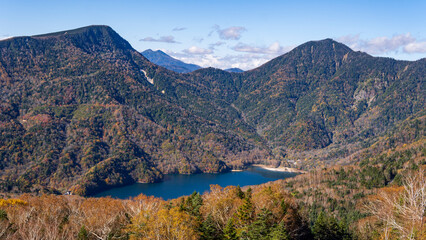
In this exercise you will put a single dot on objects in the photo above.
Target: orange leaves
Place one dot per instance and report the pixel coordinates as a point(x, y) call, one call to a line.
point(221, 203)
point(102, 216)
point(163, 223)
point(62, 217)
point(271, 197)
point(142, 217)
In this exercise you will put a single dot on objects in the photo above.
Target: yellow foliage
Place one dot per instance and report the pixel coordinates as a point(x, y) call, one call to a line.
point(164, 224)
point(11, 202)
point(221, 203)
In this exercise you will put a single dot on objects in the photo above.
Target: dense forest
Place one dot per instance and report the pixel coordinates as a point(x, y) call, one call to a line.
point(91, 120)
point(82, 111)
point(365, 201)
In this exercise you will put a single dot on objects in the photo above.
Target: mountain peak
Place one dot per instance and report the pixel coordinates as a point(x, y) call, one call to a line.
point(89, 36)
point(234, 70)
point(326, 54)
point(163, 59)
point(327, 45)
point(82, 30)
point(321, 51)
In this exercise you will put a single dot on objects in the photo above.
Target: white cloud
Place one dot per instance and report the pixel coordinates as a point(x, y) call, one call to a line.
point(350, 40)
point(415, 47)
point(244, 61)
point(241, 47)
point(197, 50)
point(165, 39)
point(231, 33)
point(248, 57)
point(383, 45)
point(207, 60)
point(274, 48)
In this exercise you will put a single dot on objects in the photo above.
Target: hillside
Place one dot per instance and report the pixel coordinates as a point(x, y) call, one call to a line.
point(162, 59)
point(365, 201)
point(78, 112)
point(82, 110)
point(235, 70)
point(322, 100)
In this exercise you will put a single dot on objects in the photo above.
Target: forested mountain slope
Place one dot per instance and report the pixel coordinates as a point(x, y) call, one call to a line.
point(83, 110)
point(324, 98)
point(78, 111)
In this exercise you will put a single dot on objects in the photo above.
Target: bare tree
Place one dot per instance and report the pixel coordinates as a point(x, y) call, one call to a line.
point(402, 209)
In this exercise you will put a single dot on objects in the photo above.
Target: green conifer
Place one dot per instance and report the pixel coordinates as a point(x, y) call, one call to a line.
point(229, 232)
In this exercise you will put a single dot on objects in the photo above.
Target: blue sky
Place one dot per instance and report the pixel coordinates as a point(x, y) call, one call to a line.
point(237, 33)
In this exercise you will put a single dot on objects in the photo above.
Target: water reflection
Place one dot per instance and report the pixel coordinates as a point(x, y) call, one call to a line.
point(177, 185)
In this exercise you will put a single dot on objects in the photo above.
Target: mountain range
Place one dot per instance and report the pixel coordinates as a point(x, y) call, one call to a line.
point(82, 110)
point(235, 70)
point(161, 58)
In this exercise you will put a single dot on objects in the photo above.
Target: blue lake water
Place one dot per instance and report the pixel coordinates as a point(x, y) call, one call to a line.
point(176, 185)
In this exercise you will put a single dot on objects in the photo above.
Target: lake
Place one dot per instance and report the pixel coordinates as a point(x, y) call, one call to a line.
point(176, 185)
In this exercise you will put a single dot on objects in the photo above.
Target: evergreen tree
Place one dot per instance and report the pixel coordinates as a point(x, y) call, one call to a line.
point(209, 230)
point(320, 227)
point(278, 232)
point(3, 215)
point(248, 193)
point(195, 201)
point(261, 227)
point(83, 234)
point(229, 232)
point(240, 193)
point(327, 228)
point(192, 204)
point(245, 212)
point(284, 207)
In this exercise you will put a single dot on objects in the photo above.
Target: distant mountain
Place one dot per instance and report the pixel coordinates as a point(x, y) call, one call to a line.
point(160, 58)
point(234, 70)
point(325, 98)
point(82, 110)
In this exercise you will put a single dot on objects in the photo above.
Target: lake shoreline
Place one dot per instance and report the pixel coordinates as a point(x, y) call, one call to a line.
point(279, 169)
point(176, 185)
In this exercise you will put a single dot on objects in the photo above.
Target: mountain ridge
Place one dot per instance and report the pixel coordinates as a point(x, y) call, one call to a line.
point(86, 97)
point(161, 58)
point(235, 70)
point(102, 123)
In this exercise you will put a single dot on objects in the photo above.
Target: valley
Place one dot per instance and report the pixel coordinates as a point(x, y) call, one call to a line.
point(92, 120)
point(83, 113)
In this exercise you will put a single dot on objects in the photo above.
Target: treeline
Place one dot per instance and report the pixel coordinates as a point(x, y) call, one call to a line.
point(345, 191)
point(381, 198)
point(262, 212)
